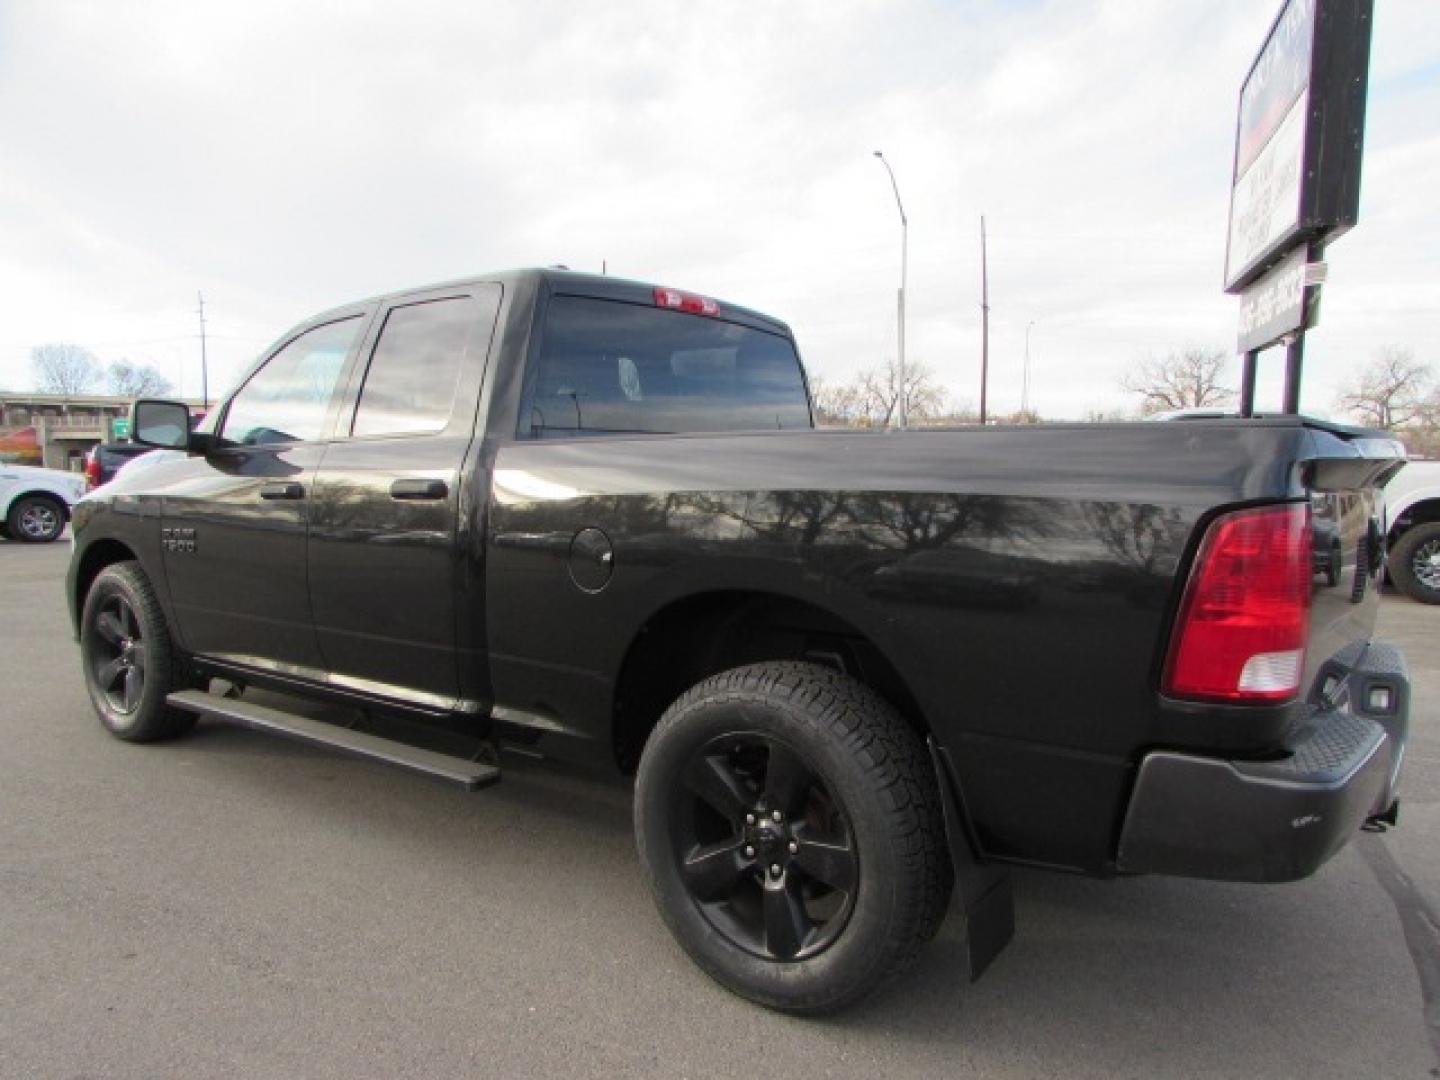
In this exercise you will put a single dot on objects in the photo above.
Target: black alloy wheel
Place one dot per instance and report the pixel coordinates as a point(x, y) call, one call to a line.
point(790, 824)
point(766, 852)
point(129, 662)
point(116, 655)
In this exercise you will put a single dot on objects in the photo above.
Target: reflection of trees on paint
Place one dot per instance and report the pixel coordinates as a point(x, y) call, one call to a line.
point(1142, 537)
point(968, 550)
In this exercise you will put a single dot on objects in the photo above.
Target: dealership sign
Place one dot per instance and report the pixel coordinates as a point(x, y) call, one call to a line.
point(1299, 133)
point(1275, 304)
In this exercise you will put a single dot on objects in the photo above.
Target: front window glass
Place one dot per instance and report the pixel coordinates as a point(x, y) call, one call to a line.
point(285, 401)
point(608, 367)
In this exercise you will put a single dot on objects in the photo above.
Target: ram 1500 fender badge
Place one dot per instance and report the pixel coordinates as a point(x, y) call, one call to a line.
point(180, 541)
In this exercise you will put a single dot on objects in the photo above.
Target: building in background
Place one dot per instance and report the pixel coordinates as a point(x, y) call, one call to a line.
point(56, 430)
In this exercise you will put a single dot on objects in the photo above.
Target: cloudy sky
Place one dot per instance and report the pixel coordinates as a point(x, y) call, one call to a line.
point(286, 157)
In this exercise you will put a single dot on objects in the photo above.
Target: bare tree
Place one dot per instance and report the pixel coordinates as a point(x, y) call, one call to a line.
point(872, 398)
point(880, 391)
point(64, 369)
point(1393, 391)
point(136, 380)
point(1188, 379)
point(836, 404)
point(1108, 416)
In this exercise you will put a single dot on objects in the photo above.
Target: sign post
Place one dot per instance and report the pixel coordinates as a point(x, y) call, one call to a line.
point(1296, 180)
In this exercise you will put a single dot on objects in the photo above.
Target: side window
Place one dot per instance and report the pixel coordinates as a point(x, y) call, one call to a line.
point(410, 385)
point(285, 401)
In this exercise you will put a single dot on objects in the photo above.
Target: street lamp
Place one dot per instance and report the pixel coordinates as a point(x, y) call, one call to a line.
point(1025, 378)
point(900, 299)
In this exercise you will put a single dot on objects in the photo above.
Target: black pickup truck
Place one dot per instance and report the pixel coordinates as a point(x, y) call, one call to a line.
point(851, 671)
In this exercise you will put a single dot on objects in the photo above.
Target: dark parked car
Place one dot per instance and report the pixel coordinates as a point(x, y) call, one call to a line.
point(589, 518)
point(103, 461)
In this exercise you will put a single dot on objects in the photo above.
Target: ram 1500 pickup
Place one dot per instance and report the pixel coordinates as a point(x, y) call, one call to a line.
point(850, 671)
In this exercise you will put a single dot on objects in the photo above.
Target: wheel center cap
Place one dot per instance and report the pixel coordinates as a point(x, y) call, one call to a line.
point(771, 841)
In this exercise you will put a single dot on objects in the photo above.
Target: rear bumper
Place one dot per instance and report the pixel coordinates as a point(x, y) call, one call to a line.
point(1278, 820)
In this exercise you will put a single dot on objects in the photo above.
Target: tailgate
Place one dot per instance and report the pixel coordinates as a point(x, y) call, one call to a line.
point(1343, 475)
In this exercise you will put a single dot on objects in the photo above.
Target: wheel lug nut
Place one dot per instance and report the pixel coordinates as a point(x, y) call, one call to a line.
point(774, 869)
point(794, 847)
point(777, 816)
point(749, 852)
point(749, 819)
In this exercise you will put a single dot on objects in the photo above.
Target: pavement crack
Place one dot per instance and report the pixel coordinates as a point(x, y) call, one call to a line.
point(1420, 923)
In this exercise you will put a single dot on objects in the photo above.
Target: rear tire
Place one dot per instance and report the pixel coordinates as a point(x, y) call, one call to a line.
point(129, 661)
point(791, 827)
point(36, 519)
point(1415, 563)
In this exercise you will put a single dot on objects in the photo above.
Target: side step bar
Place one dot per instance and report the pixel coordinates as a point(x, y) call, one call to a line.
point(468, 774)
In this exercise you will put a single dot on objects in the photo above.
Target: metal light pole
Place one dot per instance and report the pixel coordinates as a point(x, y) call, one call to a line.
point(204, 362)
point(900, 299)
point(1025, 378)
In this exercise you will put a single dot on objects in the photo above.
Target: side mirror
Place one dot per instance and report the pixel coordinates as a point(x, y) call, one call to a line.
point(165, 424)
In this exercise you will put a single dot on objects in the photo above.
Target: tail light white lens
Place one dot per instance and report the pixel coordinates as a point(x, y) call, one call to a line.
point(1244, 621)
point(684, 301)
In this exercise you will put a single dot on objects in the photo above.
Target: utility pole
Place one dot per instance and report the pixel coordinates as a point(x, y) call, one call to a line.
point(1025, 377)
point(204, 364)
point(984, 322)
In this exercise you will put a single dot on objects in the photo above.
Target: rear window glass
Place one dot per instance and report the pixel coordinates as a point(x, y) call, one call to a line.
point(607, 367)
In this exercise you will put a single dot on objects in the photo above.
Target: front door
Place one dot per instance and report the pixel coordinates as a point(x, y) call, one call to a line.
point(235, 519)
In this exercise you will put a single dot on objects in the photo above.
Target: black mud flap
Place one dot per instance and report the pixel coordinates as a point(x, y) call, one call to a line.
point(985, 891)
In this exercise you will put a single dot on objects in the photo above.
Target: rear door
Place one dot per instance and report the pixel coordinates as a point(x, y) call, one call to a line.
point(384, 565)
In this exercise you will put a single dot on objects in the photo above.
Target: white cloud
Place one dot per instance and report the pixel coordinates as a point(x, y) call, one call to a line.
point(284, 158)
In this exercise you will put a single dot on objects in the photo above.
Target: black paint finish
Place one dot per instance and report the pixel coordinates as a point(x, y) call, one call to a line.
point(1011, 589)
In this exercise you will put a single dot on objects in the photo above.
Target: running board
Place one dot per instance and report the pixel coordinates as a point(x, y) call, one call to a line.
point(468, 774)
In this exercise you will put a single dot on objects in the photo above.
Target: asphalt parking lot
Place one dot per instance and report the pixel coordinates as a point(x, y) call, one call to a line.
point(236, 905)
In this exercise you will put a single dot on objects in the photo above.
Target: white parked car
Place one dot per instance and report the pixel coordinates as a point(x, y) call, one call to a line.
point(35, 503)
point(1412, 519)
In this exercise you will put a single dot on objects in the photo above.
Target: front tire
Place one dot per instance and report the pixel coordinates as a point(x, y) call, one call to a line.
point(1415, 563)
point(36, 519)
point(790, 825)
point(129, 661)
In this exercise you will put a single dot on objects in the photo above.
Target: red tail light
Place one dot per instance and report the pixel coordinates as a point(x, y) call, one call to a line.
point(92, 470)
point(1244, 621)
point(684, 301)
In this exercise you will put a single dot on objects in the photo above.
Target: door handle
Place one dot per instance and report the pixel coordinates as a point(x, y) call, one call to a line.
point(290, 490)
point(419, 489)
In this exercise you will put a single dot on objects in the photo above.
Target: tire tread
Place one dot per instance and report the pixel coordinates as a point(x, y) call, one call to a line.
point(897, 767)
point(162, 661)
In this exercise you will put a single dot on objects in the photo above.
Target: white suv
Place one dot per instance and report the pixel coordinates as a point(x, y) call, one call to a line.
point(35, 503)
